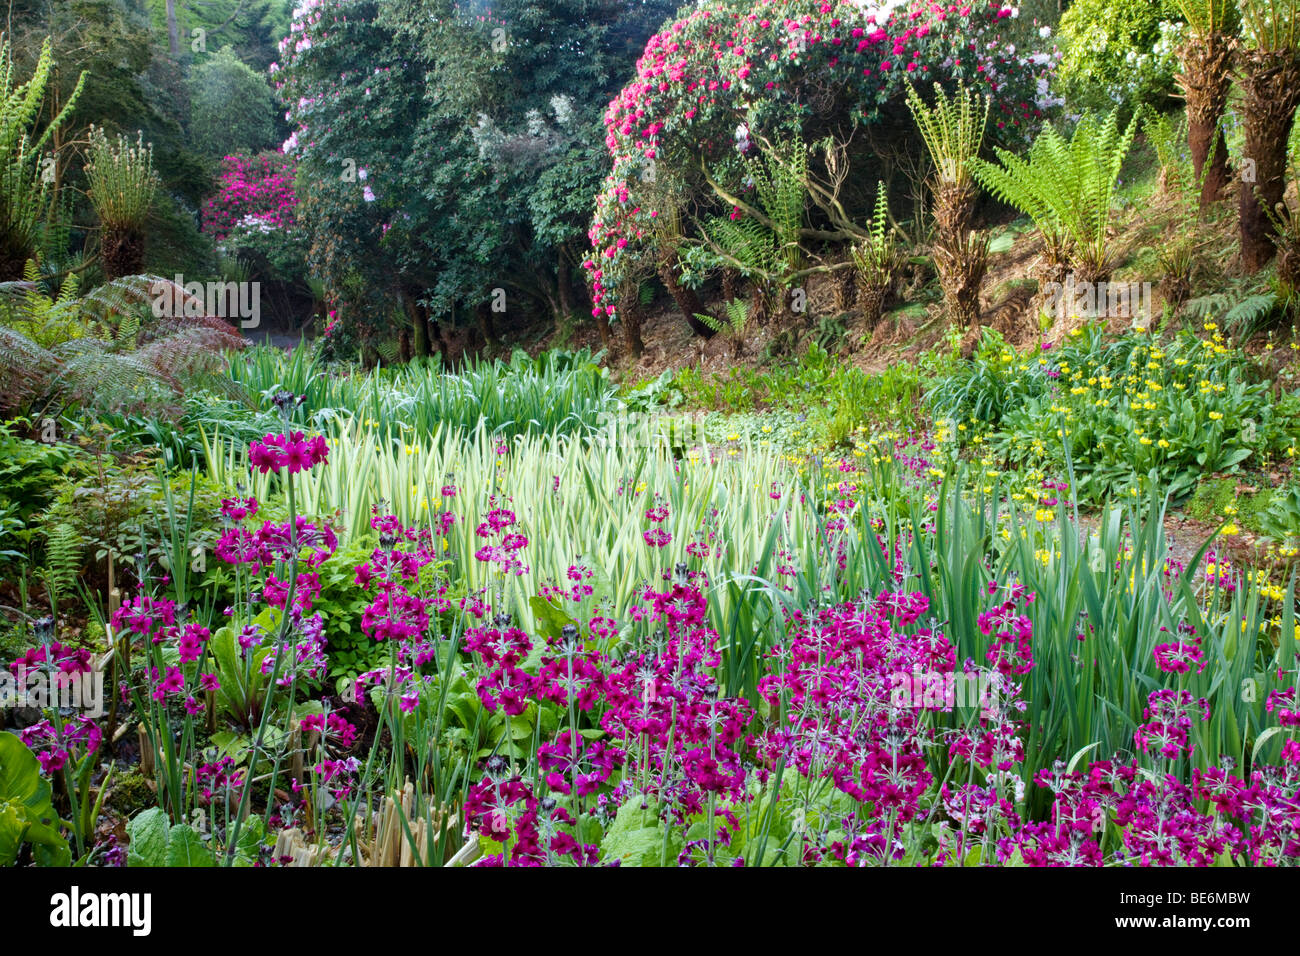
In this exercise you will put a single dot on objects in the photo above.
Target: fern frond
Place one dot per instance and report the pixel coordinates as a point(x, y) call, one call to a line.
point(1244, 319)
point(64, 549)
point(953, 128)
point(1066, 186)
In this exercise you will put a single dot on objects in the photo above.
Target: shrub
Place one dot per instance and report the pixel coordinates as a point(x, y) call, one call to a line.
point(1120, 52)
point(253, 191)
point(690, 107)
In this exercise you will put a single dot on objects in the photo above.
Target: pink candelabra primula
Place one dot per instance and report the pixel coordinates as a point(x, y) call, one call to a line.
point(55, 743)
point(277, 556)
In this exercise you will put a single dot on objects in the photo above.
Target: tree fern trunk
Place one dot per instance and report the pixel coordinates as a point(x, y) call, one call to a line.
point(13, 258)
point(846, 283)
point(871, 302)
point(1270, 82)
point(121, 251)
point(959, 257)
point(1205, 80)
point(961, 263)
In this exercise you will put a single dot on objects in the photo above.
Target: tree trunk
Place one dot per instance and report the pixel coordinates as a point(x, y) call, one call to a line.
point(404, 346)
point(1270, 83)
point(121, 252)
point(1205, 81)
point(417, 316)
point(631, 318)
point(173, 32)
point(483, 312)
point(688, 303)
point(563, 286)
point(437, 337)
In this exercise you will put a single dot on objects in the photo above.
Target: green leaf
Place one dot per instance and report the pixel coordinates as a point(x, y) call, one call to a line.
point(147, 832)
point(20, 775)
point(12, 831)
point(26, 813)
point(636, 837)
point(1079, 754)
point(185, 848)
point(1260, 741)
point(551, 621)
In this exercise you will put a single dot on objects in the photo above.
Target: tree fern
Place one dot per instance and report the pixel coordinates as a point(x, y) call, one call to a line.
point(1169, 139)
point(780, 178)
point(953, 129)
point(1066, 186)
point(877, 257)
point(24, 190)
point(121, 179)
point(766, 247)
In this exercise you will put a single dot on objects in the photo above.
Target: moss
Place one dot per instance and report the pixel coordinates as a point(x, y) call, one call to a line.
point(130, 794)
point(1214, 495)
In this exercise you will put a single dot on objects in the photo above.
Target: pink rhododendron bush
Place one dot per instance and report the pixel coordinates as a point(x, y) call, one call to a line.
point(713, 82)
point(253, 192)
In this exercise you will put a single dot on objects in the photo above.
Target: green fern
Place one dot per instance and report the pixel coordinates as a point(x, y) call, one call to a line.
point(737, 318)
point(1169, 139)
point(104, 351)
point(63, 558)
point(767, 251)
point(24, 189)
point(953, 129)
point(748, 243)
point(877, 257)
point(780, 184)
point(27, 308)
point(1066, 186)
point(1246, 318)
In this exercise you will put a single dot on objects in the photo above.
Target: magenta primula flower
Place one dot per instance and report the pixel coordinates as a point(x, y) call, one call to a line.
point(1178, 658)
point(54, 745)
point(294, 451)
